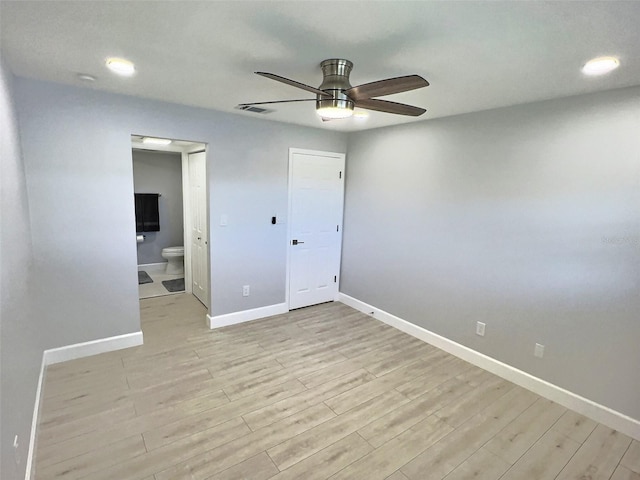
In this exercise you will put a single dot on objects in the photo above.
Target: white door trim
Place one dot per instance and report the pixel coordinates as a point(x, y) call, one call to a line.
point(292, 152)
point(186, 222)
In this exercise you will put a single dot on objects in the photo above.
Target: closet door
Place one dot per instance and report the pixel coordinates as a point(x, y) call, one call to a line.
point(316, 197)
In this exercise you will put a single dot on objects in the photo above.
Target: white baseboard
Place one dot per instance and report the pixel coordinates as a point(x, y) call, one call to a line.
point(246, 315)
point(153, 267)
point(599, 413)
point(94, 347)
point(34, 423)
point(71, 352)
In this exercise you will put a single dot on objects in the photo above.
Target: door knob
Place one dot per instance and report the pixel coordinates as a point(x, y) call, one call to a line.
point(295, 242)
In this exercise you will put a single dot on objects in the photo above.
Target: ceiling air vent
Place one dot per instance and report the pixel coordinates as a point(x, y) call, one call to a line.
point(252, 109)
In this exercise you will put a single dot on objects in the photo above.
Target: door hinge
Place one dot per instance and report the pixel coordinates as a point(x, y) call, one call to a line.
point(335, 279)
point(340, 175)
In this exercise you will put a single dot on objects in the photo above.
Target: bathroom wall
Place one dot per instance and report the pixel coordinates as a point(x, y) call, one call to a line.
point(525, 218)
point(20, 329)
point(160, 172)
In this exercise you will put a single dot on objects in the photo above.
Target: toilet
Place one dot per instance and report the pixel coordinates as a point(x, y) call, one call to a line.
point(175, 260)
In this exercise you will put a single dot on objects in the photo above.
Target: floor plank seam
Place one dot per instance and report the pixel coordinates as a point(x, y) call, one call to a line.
point(225, 395)
point(533, 443)
point(419, 453)
point(367, 441)
point(575, 453)
point(536, 443)
point(512, 387)
point(620, 460)
point(274, 462)
point(324, 402)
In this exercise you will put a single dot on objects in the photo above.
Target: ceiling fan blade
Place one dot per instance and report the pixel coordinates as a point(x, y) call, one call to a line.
point(276, 101)
point(387, 87)
point(293, 83)
point(390, 107)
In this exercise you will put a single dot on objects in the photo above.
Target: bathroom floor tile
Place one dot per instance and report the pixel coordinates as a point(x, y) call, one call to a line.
point(156, 289)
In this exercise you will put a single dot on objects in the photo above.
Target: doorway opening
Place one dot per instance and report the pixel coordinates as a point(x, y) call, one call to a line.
point(170, 186)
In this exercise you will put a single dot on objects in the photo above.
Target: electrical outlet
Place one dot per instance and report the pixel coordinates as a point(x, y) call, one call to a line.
point(538, 351)
point(246, 290)
point(480, 328)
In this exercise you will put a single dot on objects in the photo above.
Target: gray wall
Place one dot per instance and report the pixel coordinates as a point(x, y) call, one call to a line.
point(20, 345)
point(525, 218)
point(160, 172)
point(77, 152)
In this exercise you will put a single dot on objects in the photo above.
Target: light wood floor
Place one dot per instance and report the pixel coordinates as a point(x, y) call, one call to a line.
point(322, 392)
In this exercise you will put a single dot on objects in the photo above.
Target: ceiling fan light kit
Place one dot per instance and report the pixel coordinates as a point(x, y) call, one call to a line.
point(336, 98)
point(334, 109)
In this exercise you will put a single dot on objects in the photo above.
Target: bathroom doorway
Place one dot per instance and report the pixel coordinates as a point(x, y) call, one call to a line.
point(169, 179)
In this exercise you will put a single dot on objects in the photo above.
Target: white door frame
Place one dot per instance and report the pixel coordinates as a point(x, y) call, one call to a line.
point(292, 152)
point(186, 222)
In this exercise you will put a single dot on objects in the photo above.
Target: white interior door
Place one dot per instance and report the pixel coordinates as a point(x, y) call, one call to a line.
point(199, 234)
point(316, 196)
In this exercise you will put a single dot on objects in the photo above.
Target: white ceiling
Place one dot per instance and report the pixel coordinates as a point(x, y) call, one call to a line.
point(476, 54)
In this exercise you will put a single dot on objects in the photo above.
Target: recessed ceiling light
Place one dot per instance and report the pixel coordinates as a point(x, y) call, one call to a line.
point(600, 65)
point(121, 66)
point(86, 77)
point(156, 141)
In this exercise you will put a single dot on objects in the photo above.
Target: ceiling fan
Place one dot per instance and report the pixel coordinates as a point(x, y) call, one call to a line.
point(336, 98)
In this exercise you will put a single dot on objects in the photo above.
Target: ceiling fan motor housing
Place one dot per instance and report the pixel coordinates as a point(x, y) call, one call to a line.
point(336, 98)
point(336, 80)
